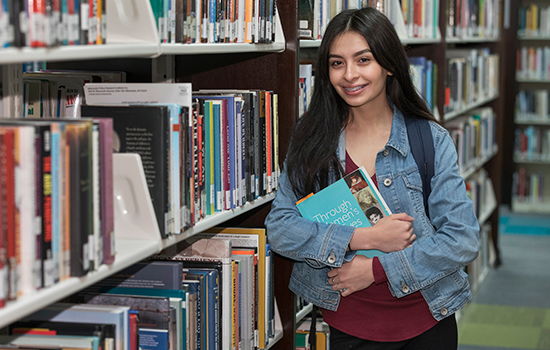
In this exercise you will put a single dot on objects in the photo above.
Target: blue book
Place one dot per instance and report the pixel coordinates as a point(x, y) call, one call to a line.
point(429, 84)
point(211, 306)
point(351, 201)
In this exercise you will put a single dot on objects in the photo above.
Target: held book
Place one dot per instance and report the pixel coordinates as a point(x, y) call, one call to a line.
point(353, 200)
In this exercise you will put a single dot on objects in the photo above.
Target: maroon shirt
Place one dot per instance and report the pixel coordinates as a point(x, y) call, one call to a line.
point(373, 313)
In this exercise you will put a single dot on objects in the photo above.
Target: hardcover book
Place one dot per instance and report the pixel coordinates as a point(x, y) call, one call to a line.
point(145, 130)
point(353, 200)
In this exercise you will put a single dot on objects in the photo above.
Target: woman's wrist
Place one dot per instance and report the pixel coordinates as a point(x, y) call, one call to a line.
point(363, 238)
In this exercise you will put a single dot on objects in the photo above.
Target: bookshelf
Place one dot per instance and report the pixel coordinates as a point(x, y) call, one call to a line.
point(531, 159)
point(133, 46)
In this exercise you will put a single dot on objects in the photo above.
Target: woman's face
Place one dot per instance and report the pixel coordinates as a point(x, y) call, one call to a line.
point(354, 72)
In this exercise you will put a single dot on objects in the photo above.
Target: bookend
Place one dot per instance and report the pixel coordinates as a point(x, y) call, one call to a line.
point(134, 214)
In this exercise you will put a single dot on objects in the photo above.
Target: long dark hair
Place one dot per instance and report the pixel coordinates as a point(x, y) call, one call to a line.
point(312, 150)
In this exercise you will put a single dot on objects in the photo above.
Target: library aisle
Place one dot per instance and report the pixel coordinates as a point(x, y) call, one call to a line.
point(511, 309)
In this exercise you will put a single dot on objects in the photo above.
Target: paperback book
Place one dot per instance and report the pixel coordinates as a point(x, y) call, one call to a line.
point(353, 200)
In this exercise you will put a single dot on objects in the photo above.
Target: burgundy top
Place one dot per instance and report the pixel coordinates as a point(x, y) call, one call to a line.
point(373, 313)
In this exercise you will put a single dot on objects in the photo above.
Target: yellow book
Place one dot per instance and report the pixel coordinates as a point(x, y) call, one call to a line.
point(534, 19)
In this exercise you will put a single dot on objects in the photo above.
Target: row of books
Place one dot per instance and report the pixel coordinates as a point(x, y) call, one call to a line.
point(474, 135)
point(56, 200)
point(477, 269)
point(532, 143)
point(533, 62)
point(210, 21)
point(50, 23)
point(214, 291)
point(414, 19)
point(479, 189)
point(533, 20)
point(203, 152)
point(47, 93)
point(421, 18)
point(528, 186)
point(471, 76)
point(469, 18)
point(532, 106)
point(424, 76)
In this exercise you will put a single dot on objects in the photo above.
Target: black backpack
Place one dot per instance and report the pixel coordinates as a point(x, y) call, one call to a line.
point(422, 148)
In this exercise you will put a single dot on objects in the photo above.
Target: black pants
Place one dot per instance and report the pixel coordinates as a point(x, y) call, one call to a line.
point(442, 336)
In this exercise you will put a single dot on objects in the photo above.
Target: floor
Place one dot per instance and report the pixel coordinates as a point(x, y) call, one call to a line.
point(511, 309)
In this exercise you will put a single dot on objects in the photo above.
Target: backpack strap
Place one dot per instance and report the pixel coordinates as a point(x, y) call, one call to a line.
point(422, 148)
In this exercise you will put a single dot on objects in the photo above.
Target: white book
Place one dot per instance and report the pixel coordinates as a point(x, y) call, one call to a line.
point(25, 197)
point(247, 297)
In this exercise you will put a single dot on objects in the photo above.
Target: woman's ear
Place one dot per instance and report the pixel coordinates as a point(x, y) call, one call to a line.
point(390, 73)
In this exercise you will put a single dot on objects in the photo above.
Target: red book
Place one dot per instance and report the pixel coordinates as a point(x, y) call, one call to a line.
point(268, 140)
point(34, 331)
point(417, 23)
point(134, 334)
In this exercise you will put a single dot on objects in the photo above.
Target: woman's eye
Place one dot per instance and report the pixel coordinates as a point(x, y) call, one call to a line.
point(335, 63)
point(364, 60)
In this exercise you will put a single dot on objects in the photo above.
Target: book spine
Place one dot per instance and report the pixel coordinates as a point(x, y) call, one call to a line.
point(263, 144)
point(26, 194)
point(242, 153)
point(46, 195)
point(201, 166)
point(225, 157)
point(247, 151)
point(184, 164)
point(257, 146)
point(196, 156)
point(217, 158)
point(55, 199)
point(4, 281)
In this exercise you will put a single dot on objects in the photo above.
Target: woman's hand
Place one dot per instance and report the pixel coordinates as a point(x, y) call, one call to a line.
point(390, 234)
point(352, 276)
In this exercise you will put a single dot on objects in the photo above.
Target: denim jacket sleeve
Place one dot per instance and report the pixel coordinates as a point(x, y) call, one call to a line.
point(447, 243)
point(319, 245)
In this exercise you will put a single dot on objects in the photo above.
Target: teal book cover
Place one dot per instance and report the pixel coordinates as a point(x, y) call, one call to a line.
point(353, 200)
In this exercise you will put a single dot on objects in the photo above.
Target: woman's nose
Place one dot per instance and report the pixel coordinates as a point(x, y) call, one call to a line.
point(350, 73)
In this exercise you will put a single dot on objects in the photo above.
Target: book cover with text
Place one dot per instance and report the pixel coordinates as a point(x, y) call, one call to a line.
point(353, 200)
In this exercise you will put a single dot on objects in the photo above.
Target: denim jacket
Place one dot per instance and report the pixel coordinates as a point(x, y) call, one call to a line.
point(433, 264)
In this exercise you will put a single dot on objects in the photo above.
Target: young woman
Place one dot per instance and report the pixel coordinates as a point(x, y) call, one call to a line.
point(404, 299)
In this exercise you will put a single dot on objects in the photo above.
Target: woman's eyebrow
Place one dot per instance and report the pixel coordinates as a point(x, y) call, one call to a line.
point(358, 53)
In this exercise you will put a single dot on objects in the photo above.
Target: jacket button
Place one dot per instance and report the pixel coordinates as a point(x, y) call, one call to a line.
point(332, 258)
point(386, 152)
point(404, 288)
point(387, 182)
point(444, 311)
